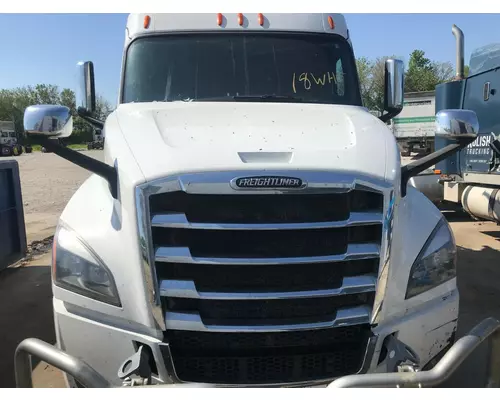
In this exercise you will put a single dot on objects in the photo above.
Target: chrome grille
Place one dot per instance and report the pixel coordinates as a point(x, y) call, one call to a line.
point(231, 265)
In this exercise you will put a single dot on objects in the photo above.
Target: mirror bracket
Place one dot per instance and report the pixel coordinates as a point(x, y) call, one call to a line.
point(413, 169)
point(88, 118)
point(97, 167)
point(460, 127)
point(389, 115)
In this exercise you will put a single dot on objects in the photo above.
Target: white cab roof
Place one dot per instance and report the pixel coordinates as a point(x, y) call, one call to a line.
point(173, 22)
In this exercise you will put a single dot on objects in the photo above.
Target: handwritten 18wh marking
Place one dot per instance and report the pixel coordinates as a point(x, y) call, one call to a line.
point(268, 182)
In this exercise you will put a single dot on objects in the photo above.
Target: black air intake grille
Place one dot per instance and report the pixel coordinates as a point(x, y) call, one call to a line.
point(267, 288)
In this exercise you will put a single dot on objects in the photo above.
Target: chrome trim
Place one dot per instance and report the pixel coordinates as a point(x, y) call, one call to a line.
point(180, 220)
point(193, 322)
point(187, 290)
point(216, 182)
point(390, 205)
point(183, 255)
point(147, 257)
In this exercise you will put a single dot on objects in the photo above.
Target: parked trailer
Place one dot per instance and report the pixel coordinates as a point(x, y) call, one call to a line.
point(414, 128)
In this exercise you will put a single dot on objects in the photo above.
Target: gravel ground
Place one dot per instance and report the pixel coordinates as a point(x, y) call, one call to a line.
point(48, 182)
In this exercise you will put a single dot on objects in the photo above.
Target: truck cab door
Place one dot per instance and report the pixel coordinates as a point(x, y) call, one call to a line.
point(482, 96)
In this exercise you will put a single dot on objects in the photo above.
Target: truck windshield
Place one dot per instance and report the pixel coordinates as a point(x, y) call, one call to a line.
point(310, 68)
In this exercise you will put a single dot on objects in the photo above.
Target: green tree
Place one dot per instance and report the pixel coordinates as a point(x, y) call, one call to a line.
point(423, 74)
point(466, 70)
point(364, 67)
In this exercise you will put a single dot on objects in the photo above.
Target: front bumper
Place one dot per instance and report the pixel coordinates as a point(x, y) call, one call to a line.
point(426, 331)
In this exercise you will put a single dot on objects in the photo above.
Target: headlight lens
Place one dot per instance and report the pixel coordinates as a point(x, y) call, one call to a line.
point(435, 264)
point(78, 269)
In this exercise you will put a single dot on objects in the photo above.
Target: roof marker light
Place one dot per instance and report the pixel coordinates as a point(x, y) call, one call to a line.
point(219, 19)
point(330, 21)
point(260, 18)
point(240, 19)
point(147, 21)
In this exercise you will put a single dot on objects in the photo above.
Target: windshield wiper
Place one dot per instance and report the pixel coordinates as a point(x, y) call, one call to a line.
point(264, 97)
point(268, 97)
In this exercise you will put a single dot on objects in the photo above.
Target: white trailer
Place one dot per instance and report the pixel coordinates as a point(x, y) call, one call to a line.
point(251, 224)
point(414, 127)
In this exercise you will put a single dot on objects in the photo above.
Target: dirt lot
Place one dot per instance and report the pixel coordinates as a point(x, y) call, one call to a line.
point(49, 181)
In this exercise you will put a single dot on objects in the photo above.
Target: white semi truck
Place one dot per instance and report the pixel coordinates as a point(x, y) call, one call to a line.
point(8, 140)
point(251, 224)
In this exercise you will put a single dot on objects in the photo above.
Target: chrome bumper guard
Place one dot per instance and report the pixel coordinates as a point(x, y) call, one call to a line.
point(487, 330)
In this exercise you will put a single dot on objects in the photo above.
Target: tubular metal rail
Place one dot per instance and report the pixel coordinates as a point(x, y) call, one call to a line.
point(487, 330)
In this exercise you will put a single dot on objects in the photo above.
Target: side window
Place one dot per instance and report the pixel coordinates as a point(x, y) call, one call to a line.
point(339, 72)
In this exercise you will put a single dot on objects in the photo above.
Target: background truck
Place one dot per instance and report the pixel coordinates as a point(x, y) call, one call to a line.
point(414, 127)
point(471, 178)
point(97, 142)
point(8, 140)
point(251, 224)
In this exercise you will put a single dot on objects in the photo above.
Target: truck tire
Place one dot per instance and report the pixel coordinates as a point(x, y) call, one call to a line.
point(403, 149)
point(89, 146)
point(6, 151)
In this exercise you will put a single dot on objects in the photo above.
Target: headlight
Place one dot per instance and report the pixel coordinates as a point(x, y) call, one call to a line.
point(435, 264)
point(78, 269)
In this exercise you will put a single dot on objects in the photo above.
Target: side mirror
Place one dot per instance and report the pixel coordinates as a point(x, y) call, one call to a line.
point(457, 124)
point(394, 86)
point(461, 126)
point(85, 91)
point(48, 120)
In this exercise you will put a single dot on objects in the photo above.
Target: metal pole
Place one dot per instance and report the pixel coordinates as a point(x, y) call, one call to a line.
point(487, 329)
point(459, 37)
point(75, 367)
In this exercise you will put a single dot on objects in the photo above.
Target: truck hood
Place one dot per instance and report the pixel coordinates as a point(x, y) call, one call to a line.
point(170, 138)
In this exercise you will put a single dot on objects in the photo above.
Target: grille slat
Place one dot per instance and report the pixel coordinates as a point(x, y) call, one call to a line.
point(183, 255)
point(246, 312)
point(266, 278)
point(252, 208)
point(181, 221)
point(266, 244)
point(192, 321)
point(267, 288)
point(211, 343)
point(188, 290)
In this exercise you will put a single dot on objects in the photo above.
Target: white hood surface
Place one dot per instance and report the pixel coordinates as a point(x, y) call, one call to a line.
point(169, 138)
